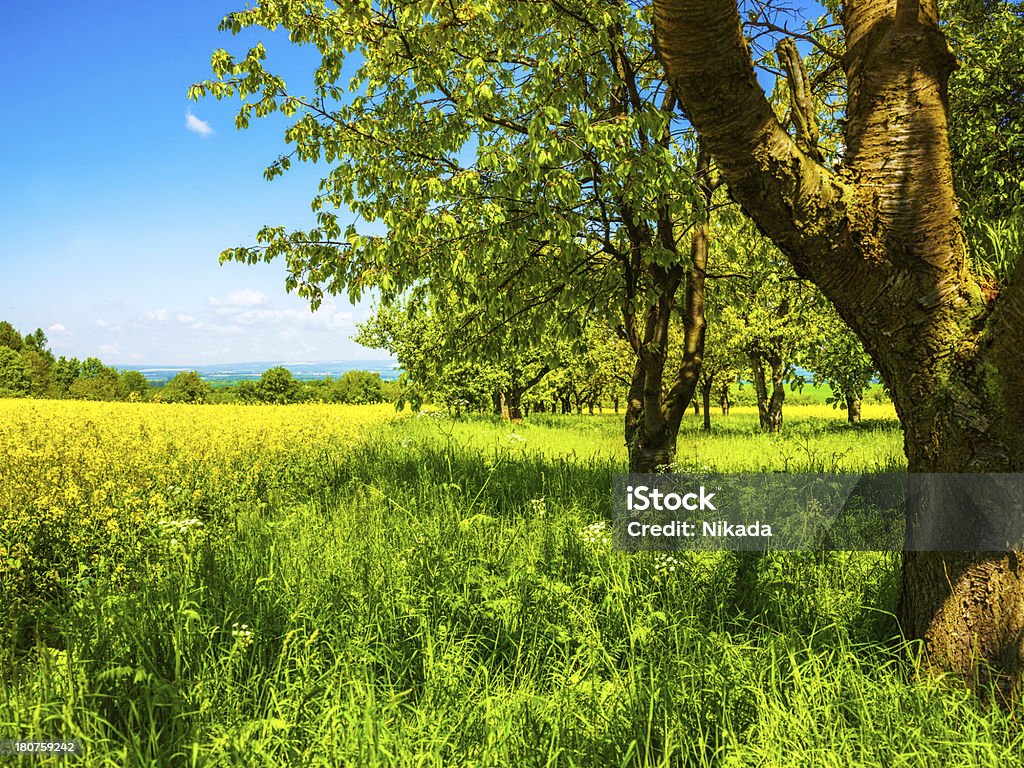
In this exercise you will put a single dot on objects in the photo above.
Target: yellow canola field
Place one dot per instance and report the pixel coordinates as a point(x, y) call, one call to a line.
point(80, 480)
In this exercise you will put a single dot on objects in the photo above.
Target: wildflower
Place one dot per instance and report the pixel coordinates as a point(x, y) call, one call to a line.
point(539, 507)
point(242, 634)
point(597, 534)
point(666, 564)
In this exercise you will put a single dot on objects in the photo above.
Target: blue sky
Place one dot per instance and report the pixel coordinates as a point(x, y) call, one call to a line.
point(114, 204)
point(118, 193)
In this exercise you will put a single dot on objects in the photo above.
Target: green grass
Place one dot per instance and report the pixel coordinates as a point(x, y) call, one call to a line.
point(445, 595)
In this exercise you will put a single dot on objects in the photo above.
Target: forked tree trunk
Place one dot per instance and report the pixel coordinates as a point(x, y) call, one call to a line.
point(511, 398)
point(653, 416)
point(769, 405)
point(881, 238)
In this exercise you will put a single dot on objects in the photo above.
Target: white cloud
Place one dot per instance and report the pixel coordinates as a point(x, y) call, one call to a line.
point(238, 300)
point(110, 349)
point(158, 315)
point(101, 323)
point(57, 328)
point(194, 124)
point(217, 330)
point(181, 317)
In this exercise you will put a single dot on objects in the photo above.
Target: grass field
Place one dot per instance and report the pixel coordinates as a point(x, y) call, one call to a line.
point(332, 585)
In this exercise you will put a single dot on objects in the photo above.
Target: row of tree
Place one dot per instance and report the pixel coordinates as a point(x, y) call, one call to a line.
point(28, 368)
point(542, 167)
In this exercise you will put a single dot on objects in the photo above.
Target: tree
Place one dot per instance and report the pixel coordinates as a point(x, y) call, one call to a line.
point(247, 392)
point(65, 372)
point(132, 385)
point(39, 365)
point(98, 382)
point(880, 235)
point(358, 388)
point(277, 385)
point(837, 359)
point(444, 365)
point(9, 337)
point(522, 157)
point(185, 387)
point(14, 376)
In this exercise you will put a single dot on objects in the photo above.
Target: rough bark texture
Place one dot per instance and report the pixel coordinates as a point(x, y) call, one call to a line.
point(881, 237)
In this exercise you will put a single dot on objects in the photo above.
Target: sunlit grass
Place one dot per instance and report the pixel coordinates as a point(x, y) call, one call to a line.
point(430, 592)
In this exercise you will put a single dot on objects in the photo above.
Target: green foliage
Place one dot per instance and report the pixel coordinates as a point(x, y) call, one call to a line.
point(9, 337)
point(986, 99)
point(15, 380)
point(38, 364)
point(358, 388)
point(132, 385)
point(185, 387)
point(65, 372)
point(277, 385)
point(97, 382)
point(837, 358)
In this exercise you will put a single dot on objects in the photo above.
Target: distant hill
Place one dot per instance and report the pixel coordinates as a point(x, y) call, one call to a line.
point(223, 372)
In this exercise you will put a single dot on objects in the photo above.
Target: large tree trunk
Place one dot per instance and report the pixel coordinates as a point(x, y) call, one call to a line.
point(881, 238)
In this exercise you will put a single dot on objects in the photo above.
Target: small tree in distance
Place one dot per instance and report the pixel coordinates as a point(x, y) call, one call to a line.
point(185, 387)
point(277, 385)
point(358, 388)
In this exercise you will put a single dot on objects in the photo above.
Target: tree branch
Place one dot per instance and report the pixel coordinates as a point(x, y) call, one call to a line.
point(800, 98)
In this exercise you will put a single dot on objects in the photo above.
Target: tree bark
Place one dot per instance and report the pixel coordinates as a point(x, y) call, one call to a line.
point(511, 405)
point(511, 398)
point(653, 416)
point(880, 236)
point(769, 405)
point(705, 392)
point(853, 409)
point(725, 399)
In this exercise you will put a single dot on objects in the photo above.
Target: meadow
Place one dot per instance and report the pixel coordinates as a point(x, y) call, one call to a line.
point(342, 585)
